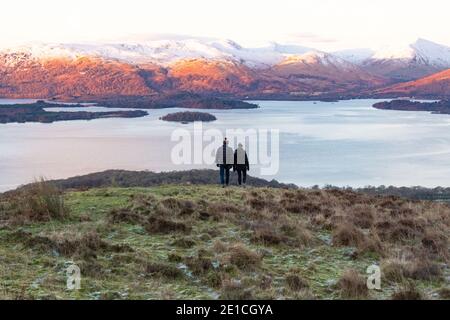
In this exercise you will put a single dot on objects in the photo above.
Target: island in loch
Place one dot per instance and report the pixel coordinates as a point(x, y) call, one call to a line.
point(188, 116)
point(187, 100)
point(35, 112)
point(440, 107)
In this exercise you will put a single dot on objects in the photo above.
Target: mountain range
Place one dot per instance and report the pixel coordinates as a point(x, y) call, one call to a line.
point(420, 59)
point(220, 67)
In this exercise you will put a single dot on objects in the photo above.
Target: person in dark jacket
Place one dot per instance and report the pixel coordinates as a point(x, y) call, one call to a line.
point(224, 160)
point(241, 164)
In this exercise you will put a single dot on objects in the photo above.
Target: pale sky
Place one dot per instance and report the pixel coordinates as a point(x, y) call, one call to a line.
point(323, 24)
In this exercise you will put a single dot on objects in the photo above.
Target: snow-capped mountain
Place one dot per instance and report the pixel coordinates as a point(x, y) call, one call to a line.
point(419, 59)
point(209, 66)
point(432, 53)
point(166, 52)
point(422, 51)
point(199, 65)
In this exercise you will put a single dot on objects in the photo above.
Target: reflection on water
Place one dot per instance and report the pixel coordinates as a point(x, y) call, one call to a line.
point(342, 143)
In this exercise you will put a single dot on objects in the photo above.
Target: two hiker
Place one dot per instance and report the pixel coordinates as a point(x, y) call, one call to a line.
point(227, 159)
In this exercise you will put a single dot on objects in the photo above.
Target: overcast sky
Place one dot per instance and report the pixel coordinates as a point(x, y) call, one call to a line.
point(324, 24)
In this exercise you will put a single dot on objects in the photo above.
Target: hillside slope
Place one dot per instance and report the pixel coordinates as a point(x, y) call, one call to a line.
point(193, 242)
point(433, 86)
point(126, 179)
point(25, 76)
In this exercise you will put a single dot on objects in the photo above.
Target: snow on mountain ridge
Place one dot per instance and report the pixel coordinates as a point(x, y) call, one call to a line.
point(166, 52)
point(434, 53)
point(323, 58)
point(422, 51)
point(356, 56)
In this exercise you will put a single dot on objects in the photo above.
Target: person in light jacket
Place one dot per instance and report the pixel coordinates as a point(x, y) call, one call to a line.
point(241, 164)
point(225, 161)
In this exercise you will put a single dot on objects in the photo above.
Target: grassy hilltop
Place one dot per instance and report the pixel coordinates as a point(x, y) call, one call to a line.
point(202, 241)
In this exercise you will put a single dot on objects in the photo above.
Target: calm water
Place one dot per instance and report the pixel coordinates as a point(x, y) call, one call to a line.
point(342, 143)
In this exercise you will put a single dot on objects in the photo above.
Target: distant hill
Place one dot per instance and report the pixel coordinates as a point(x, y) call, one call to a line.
point(24, 76)
point(127, 179)
point(433, 86)
point(123, 178)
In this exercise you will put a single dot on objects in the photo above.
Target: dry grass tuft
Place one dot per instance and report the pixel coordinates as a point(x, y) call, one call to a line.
point(346, 234)
point(86, 245)
point(394, 270)
point(266, 235)
point(363, 216)
point(444, 293)
point(243, 258)
point(235, 290)
point(179, 206)
point(163, 225)
point(39, 202)
point(184, 242)
point(424, 270)
point(408, 291)
point(219, 246)
point(436, 243)
point(164, 216)
point(200, 263)
point(295, 282)
point(258, 201)
point(352, 285)
point(165, 270)
point(124, 215)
